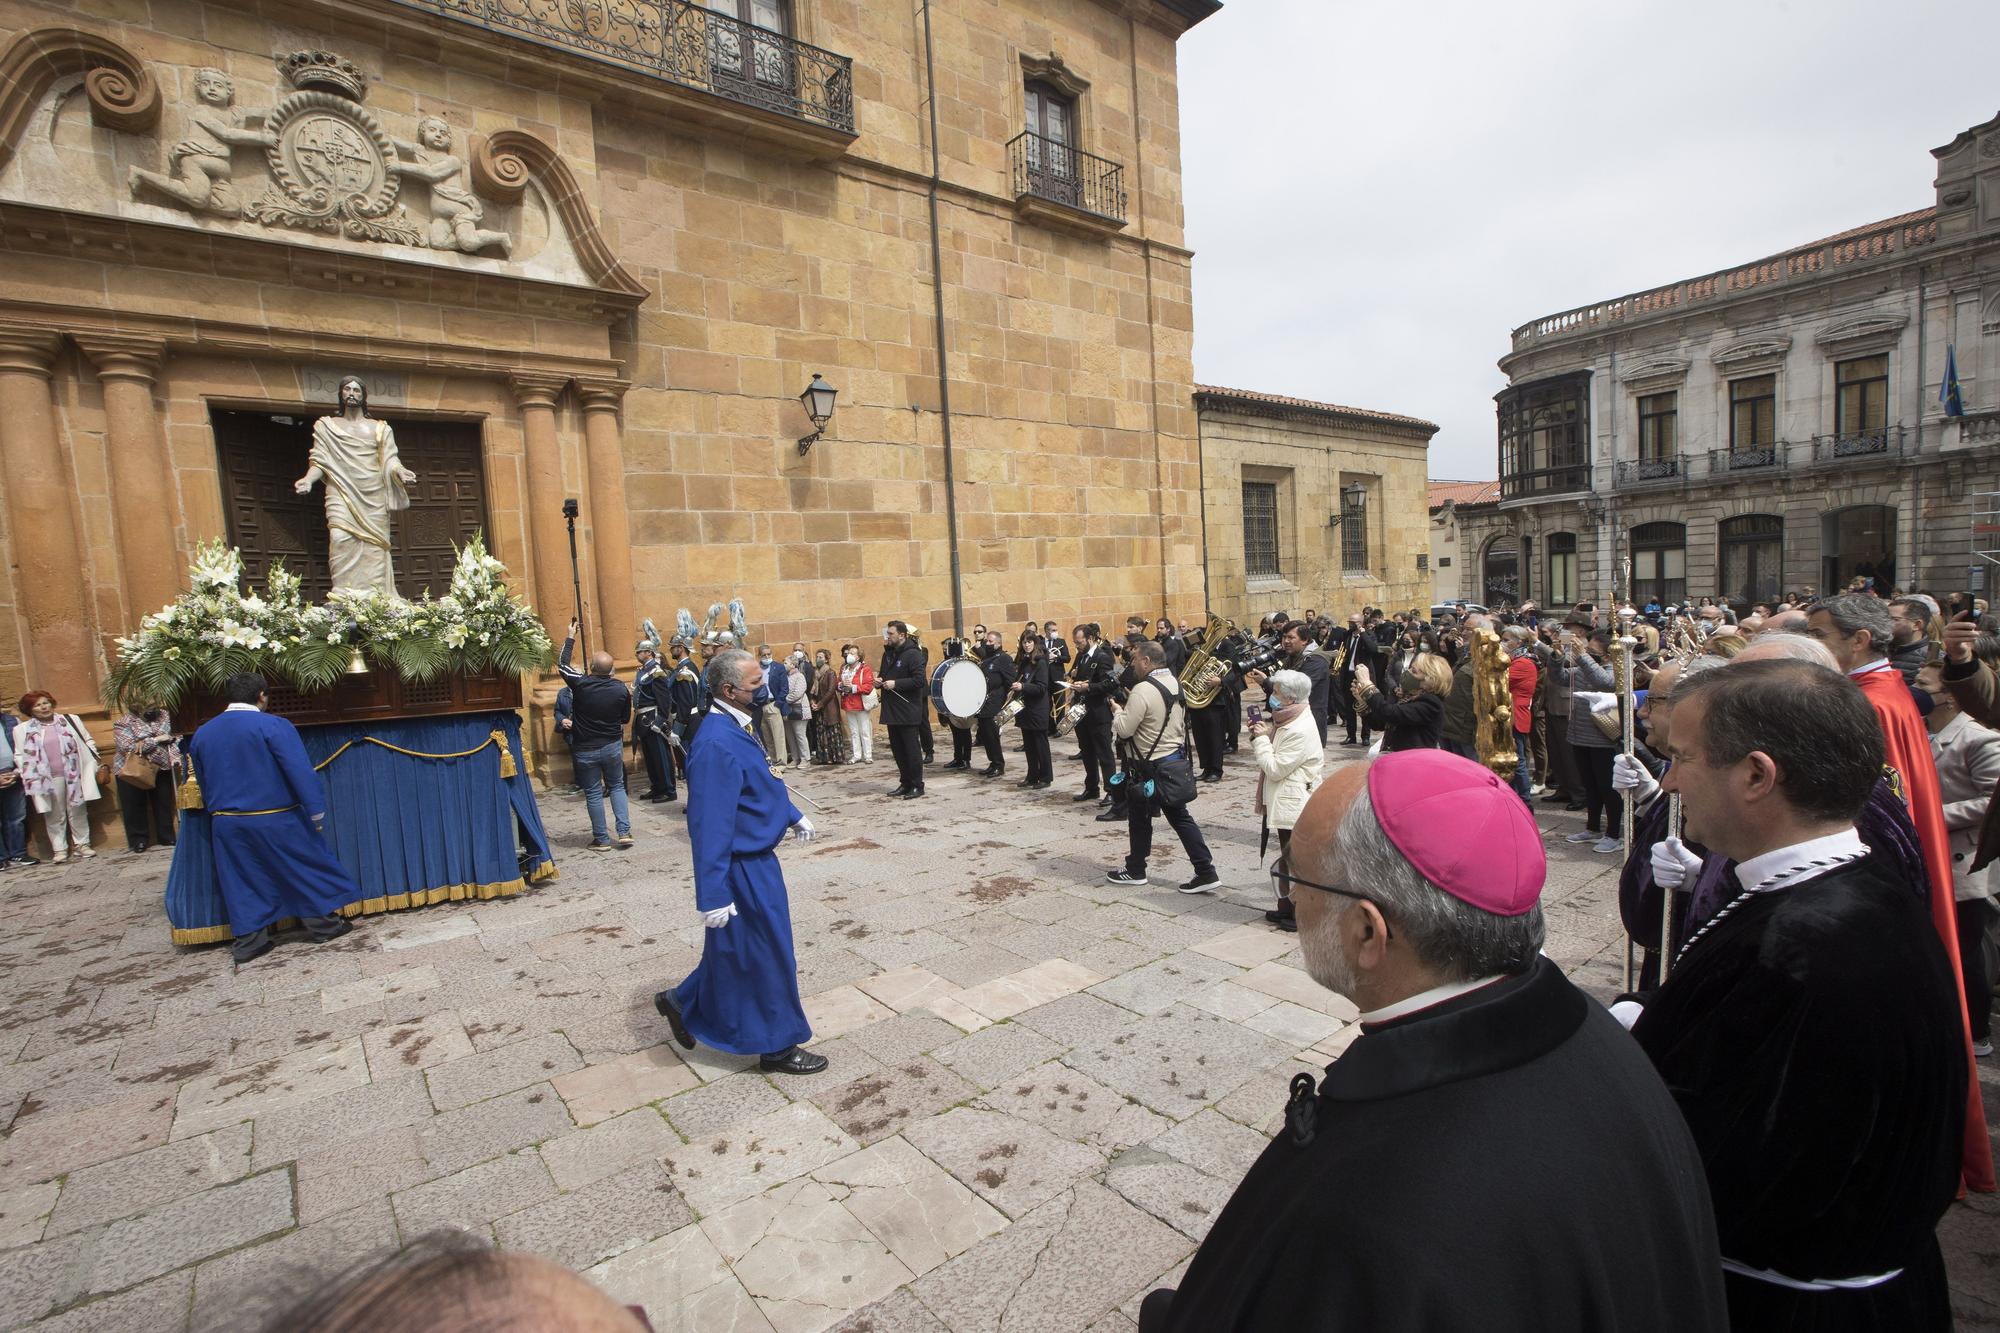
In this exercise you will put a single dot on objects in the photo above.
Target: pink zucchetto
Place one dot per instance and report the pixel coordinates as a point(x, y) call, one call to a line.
point(1461, 827)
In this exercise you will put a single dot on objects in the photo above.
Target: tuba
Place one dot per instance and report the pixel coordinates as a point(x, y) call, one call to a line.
point(1492, 705)
point(1203, 673)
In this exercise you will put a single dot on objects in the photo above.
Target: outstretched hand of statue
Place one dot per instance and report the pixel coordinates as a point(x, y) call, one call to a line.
point(304, 485)
point(407, 475)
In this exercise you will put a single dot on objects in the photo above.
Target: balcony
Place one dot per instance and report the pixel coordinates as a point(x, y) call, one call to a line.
point(1066, 187)
point(1722, 462)
point(1545, 482)
point(1648, 470)
point(1860, 444)
point(745, 77)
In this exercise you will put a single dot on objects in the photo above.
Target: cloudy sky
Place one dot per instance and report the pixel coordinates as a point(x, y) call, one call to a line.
point(1379, 191)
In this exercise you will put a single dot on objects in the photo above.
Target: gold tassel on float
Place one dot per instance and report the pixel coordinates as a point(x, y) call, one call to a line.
point(189, 795)
point(507, 769)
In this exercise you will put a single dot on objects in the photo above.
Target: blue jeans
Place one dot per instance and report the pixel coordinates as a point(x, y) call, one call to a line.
point(1524, 781)
point(13, 822)
point(597, 768)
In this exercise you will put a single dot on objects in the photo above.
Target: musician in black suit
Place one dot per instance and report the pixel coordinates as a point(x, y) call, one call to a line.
point(1095, 673)
point(1058, 652)
point(1358, 648)
point(925, 737)
point(1033, 690)
point(905, 695)
point(961, 737)
point(1000, 674)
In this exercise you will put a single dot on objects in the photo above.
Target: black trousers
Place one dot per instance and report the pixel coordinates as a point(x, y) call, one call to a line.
point(927, 739)
point(1351, 716)
point(1205, 726)
point(961, 746)
point(1035, 750)
point(1093, 734)
point(1603, 809)
point(1231, 706)
point(906, 744)
point(148, 812)
point(659, 762)
point(1975, 957)
point(1139, 830)
point(989, 740)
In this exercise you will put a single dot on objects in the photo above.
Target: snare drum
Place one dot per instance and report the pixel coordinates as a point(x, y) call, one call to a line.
point(958, 688)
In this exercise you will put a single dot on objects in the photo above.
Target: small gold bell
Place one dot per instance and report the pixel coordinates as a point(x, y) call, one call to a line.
point(357, 665)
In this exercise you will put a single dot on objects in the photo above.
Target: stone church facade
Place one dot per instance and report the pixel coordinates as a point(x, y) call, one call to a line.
point(1768, 429)
point(596, 253)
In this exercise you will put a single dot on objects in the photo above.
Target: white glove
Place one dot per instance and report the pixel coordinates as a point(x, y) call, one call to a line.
point(804, 830)
point(1673, 863)
point(719, 917)
point(1628, 774)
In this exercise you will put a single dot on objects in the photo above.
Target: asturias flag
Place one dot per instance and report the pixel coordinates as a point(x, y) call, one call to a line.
point(1948, 393)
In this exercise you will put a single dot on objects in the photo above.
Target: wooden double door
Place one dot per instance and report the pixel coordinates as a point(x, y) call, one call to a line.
point(261, 455)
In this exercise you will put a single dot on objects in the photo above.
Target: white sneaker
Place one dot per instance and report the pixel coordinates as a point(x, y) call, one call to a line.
point(1609, 845)
point(58, 858)
point(1982, 1049)
point(1585, 836)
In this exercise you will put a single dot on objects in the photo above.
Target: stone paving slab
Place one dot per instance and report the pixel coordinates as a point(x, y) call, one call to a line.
point(1099, 1066)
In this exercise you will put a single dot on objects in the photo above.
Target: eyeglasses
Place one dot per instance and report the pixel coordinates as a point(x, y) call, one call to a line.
point(1282, 880)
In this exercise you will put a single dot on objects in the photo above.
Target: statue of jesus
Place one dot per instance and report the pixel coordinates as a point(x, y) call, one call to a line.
point(355, 455)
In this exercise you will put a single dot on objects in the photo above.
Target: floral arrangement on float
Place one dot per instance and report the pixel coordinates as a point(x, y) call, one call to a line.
point(216, 630)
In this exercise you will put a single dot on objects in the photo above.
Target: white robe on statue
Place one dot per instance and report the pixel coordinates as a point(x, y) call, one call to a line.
point(363, 476)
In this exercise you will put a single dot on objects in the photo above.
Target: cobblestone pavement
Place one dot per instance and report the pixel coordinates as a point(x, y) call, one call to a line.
point(1043, 1087)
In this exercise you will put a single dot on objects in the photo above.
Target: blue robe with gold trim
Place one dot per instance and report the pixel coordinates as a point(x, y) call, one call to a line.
point(258, 784)
point(744, 996)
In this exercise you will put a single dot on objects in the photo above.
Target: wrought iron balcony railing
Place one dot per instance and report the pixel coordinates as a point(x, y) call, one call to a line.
point(1747, 459)
point(1631, 473)
point(1050, 169)
point(1857, 444)
point(682, 43)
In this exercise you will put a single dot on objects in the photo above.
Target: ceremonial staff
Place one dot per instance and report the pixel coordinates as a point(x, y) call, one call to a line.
point(576, 580)
point(1628, 728)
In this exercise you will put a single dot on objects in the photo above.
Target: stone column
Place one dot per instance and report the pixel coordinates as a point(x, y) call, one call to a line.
point(536, 395)
point(141, 476)
point(611, 527)
point(54, 597)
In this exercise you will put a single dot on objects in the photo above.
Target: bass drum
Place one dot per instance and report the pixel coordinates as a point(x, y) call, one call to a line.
point(958, 688)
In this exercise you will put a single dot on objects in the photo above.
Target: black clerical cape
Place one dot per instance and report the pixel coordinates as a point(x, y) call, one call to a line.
point(1503, 1161)
point(1811, 1039)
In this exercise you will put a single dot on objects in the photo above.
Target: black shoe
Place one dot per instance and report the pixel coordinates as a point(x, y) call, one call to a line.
point(1355, 744)
point(1027, 782)
point(664, 1002)
point(25, 860)
point(255, 952)
point(1556, 798)
point(133, 849)
point(1276, 915)
point(1288, 924)
point(794, 1061)
point(1111, 816)
point(956, 763)
point(992, 771)
point(1204, 881)
point(913, 793)
point(1104, 800)
point(649, 795)
point(344, 927)
point(1084, 796)
point(1211, 777)
point(900, 791)
point(1124, 877)
point(1574, 805)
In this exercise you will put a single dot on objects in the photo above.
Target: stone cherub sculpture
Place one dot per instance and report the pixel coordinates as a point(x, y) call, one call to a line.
point(199, 166)
point(355, 456)
point(456, 211)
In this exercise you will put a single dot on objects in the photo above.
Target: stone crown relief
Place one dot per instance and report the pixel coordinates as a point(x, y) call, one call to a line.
point(316, 163)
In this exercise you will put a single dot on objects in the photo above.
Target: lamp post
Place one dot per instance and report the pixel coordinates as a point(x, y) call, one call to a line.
point(818, 402)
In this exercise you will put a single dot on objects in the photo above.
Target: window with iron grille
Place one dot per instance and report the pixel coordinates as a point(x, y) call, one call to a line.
point(1260, 529)
point(1353, 533)
point(1861, 402)
point(1753, 413)
point(1659, 419)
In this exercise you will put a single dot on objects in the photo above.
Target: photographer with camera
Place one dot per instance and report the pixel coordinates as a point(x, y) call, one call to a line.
point(1152, 731)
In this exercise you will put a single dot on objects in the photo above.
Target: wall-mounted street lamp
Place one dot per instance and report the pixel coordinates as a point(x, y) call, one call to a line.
point(818, 400)
point(1356, 497)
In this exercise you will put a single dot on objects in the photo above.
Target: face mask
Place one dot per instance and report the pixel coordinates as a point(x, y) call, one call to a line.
point(852, 658)
point(765, 658)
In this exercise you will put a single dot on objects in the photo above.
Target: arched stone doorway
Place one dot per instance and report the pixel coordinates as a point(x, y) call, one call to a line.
point(1858, 542)
point(1500, 573)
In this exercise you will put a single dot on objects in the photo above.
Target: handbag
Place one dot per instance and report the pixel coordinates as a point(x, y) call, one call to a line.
point(1171, 780)
point(83, 739)
point(138, 771)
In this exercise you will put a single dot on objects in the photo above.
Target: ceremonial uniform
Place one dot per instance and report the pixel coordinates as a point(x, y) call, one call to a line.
point(686, 698)
point(743, 998)
point(269, 810)
point(1500, 1160)
point(1000, 672)
point(1810, 1032)
point(653, 709)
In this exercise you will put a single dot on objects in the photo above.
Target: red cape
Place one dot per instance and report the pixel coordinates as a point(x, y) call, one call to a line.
point(1908, 751)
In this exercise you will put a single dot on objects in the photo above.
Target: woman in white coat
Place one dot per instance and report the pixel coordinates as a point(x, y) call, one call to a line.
point(1290, 762)
point(59, 765)
point(1968, 767)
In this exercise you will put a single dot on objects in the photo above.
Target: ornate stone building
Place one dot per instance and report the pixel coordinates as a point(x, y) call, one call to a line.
point(1769, 428)
point(596, 252)
point(1310, 505)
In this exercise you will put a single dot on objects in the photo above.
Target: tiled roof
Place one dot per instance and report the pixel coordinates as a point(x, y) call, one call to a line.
point(1464, 492)
point(1222, 395)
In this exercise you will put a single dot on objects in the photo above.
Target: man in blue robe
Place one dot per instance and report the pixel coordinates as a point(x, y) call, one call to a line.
point(743, 998)
point(269, 809)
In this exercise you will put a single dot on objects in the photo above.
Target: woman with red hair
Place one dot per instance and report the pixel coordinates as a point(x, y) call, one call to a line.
point(59, 765)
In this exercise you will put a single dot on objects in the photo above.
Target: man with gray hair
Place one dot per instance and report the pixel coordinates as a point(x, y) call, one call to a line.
point(743, 998)
point(1151, 728)
point(1463, 1163)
